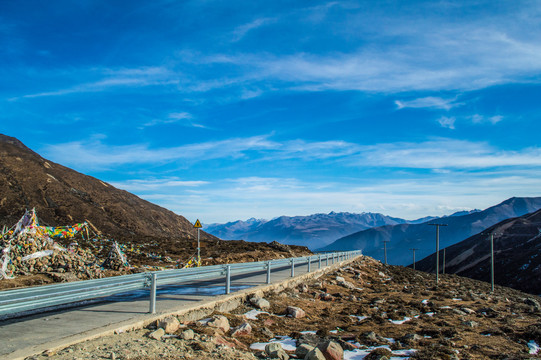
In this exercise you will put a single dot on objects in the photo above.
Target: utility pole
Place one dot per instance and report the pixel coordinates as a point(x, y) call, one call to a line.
point(437, 250)
point(491, 258)
point(444, 260)
point(385, 250)
point(413, 249)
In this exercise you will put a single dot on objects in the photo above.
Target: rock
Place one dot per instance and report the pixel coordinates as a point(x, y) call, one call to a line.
point(325, 297)
point(219, 322)
point(347, 345)
point(468, 310)
point(275, 351)
point(187, 334)
point(409, 338)
point(203, 345)
point(303, 288)
point(459, 312)
point(272, 347)
point(470, 323)
point(265, 331)
point(295, 312)
point(302, 350)
point(309, 339)
point(259, 302)
point(233, 343)
point(157, 334)
point(379, 354)
point(242, 330)
point(533, 303)
point(315, 354)
point(169, 324)
point(331, 350)
point(340, 279)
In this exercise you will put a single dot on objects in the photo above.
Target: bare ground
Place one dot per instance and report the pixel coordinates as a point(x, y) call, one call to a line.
point(456, 319)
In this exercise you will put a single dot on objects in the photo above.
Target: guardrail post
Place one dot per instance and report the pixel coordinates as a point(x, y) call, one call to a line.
point(319, 266)
point(309, 263)
point(228, 279)
point(326, 259)
point(153, 284)
point(292, 267)
point(268, 272)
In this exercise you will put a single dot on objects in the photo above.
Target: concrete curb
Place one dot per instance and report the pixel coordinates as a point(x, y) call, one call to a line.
point(221, 303)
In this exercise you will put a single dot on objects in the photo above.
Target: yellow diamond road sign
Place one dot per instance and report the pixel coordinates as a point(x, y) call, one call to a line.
point(197, 224)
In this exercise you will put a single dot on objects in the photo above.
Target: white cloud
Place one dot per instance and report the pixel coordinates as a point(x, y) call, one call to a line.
point(241, 31)
point(447, 122)
point(111, 79)
point(437, 154)
point(429, 102)
point(138, 185)
point(410, 198)
point(480, 119)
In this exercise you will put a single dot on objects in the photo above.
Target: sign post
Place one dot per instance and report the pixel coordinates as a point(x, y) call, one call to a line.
point(198, 226)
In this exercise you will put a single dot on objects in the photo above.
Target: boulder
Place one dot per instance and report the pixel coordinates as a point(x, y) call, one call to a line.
point(157, 335)
point(315, 354)
point(233, 343)
point(187, 335)
point(295, 312)
point(275, 351)
point(169, 324)
point(379, 354)
point(259, 302)
point(242, 330)
point(219, 322)
point(302, 350)
point(331, 350)
point(272, 347)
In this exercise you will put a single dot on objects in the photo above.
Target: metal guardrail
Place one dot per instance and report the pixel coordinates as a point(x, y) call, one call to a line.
point(47, 296)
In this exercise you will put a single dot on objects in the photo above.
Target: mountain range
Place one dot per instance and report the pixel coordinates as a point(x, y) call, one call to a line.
point(403, 237)
point(517, 246)
point(314, 231)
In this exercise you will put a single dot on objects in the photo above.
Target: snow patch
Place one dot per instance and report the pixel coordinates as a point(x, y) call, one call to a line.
point(534, 348)
point(252, 314)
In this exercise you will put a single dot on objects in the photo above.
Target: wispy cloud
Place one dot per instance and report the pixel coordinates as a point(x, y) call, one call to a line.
point(138, 185)
point(184, 118)
point(111, 79)
point(447, 122)
point(434, 154)
point(429, 102)
point(241, 31)
point(480, 119)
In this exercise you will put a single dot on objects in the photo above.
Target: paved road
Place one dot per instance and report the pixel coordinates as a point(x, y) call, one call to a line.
point(31, 335)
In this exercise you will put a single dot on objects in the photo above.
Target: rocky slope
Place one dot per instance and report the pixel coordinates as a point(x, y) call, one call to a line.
point(517, 245)
point(63, 196)
point(402, 237)
point(363, 311)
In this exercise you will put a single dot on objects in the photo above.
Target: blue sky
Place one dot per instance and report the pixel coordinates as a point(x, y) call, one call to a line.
point(225, 110)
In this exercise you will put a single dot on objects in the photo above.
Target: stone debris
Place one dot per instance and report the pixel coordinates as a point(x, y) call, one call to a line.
point(169, 324)
point(259, 302)
point(295, 312)
point(157, 334)
point(243, 329)
point(219, 322)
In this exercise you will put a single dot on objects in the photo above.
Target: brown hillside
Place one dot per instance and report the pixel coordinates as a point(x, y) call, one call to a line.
point(63, 196)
